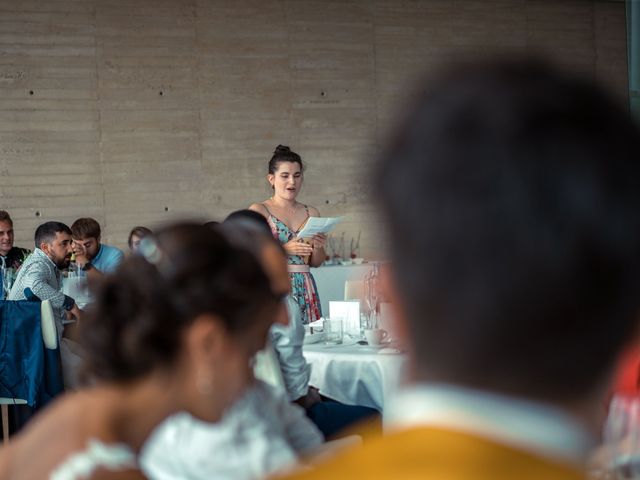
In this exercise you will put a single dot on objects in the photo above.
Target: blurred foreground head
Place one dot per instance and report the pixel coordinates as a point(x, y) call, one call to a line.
point(511, 195)
point(192, 308)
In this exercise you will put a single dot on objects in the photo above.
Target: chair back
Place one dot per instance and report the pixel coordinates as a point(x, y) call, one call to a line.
point(48, 324)
point(29, 353)
point(27, 327)
point(354, 290)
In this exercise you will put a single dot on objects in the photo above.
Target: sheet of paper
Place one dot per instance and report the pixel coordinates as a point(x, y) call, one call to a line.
point(317, 225)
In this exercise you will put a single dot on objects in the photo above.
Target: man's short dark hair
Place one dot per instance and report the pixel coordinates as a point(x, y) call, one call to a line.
point(46, 232)
point(85, 228)
point(252, 216)
point(5, 217)
point(512, 199)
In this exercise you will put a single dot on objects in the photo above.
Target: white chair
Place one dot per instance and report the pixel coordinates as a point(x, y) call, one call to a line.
point(354, 290)
point(50, 339)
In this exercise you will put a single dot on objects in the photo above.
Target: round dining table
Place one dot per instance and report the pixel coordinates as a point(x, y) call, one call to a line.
point(356, 374)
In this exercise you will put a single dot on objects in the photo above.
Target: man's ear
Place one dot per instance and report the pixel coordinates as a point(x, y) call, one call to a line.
point(45, 247)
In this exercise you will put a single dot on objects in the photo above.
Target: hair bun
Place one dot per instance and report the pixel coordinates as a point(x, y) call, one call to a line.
point(282, 149)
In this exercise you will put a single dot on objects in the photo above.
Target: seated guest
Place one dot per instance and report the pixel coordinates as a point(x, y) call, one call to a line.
point(172, 330)
point(41, 271)
point(261, 433)
point(511, 199)
point(92, 256)
point(11, 257)
point(334, 419)
point(330, 416)
point(135, 237)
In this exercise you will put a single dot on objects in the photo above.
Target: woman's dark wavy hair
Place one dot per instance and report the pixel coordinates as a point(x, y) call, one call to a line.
point(140, 311)
point(282, 153)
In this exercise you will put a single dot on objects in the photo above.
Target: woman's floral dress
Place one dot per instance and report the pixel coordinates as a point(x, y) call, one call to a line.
point(303, 287)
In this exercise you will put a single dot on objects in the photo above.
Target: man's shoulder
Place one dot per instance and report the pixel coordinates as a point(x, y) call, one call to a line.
point(37, 258)
point(111, 251)
point(442, 454)
point(108, 258)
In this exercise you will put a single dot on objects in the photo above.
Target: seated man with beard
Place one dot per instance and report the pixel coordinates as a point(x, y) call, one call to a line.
point(41, 273)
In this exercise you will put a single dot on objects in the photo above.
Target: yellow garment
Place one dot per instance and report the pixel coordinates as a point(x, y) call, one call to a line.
point(432, 453)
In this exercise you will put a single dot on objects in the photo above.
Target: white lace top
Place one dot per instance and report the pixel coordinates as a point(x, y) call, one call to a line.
point(82, 464)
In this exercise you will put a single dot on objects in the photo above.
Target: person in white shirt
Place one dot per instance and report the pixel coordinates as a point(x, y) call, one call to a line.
point(262, 433)
point(334, 419)
point(173, 329)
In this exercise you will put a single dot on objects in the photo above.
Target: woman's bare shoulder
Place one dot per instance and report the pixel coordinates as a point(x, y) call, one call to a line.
point(313, 211)
point(260, 208)
point(55, 432)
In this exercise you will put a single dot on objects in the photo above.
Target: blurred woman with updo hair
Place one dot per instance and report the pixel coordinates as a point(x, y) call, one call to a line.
point(172, 330)
point(286, 217)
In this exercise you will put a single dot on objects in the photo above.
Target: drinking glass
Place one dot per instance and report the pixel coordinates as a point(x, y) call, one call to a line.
point(8, 277)
point(333, 330)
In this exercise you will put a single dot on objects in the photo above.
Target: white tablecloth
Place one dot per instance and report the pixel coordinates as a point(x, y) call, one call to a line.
point(330, 281)
point(355, 374)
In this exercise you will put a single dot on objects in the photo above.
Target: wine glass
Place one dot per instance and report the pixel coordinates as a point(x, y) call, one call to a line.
point(7, 281)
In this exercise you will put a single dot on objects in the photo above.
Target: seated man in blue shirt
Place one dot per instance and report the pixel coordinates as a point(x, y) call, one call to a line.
point(91, 256)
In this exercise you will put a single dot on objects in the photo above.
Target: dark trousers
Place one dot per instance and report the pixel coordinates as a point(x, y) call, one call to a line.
point(332, 417)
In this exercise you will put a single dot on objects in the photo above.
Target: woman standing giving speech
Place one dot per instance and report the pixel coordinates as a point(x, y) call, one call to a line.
point(287, 216)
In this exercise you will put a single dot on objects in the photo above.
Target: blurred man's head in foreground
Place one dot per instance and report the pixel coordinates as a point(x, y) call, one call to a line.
point(511, 195)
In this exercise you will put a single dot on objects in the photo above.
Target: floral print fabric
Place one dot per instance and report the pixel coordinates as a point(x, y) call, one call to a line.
point(303, 287)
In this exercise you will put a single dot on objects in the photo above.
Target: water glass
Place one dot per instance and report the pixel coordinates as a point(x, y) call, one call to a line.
point(333, 331)
point(8, 277)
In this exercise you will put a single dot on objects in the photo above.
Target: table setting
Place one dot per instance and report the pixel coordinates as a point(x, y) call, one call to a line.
point(353, 358)
point(354, 372)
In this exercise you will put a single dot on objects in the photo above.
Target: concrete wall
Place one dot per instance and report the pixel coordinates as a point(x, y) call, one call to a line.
point(139, 111)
